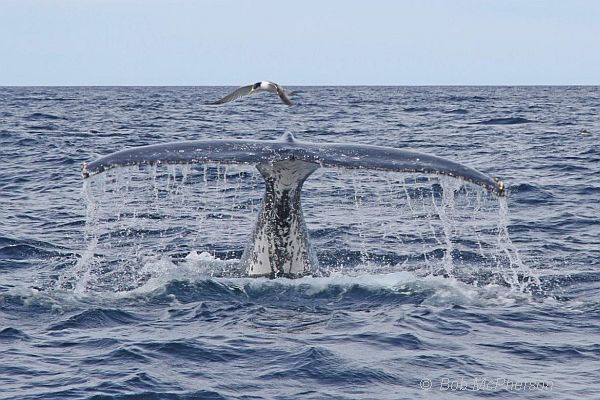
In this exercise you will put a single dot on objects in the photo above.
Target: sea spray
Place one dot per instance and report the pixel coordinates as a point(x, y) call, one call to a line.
point(158, 215)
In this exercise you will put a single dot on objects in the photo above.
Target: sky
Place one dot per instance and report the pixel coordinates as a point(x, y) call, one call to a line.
point(322, 42)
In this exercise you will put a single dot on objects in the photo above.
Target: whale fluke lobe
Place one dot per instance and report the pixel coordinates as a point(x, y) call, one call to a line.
point(280, 244)
point(239, 151)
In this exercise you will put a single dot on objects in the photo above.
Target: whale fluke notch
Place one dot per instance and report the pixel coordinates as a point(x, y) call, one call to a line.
point(280, 245)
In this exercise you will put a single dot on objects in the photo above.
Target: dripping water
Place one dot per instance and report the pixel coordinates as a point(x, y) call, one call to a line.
point(144, 222)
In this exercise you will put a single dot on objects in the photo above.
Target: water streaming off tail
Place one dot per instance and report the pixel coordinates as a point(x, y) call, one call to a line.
point(144, 222)
point(390, 221)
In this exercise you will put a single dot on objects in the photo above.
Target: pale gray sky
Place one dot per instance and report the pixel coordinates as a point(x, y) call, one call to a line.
point(335, 42)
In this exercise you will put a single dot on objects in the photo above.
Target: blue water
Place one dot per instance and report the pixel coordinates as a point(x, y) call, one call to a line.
point(147, 303)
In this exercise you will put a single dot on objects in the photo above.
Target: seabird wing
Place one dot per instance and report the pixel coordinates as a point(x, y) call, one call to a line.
point(283, 95)
point(236, 94)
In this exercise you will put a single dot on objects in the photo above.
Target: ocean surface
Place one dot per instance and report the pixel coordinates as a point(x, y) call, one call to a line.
point(126, 285)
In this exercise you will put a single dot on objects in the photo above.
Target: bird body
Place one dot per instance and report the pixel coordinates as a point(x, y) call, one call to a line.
point(262, 86)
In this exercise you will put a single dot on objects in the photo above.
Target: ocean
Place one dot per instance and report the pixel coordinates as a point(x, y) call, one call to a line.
point(126, 285)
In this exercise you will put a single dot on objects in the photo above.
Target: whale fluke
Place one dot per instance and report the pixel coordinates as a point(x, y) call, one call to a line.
point(241, 151)
point(280, 245)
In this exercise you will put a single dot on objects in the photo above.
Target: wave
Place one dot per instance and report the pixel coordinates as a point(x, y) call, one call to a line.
point(388, 288)
point(218, 299)
point(10, 334)
point(45, 127)
point(532, 194)
point(457, 111)
point(474, 98)
point(27, 142)
point(551, 352)
point(594, 150)
point(416, 109)
point(11, 249)
point(324, 366)
point(505, 121)
point(36, 116)
point(191, 351)
point(97, 318)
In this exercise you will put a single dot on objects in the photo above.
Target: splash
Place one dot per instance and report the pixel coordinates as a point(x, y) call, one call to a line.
point(147, 224)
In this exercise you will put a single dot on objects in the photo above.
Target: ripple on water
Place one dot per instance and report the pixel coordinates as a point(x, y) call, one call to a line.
point(36, 116)
point(97, 318)
point(12, 334)
point(504, 121)
point(366, 334)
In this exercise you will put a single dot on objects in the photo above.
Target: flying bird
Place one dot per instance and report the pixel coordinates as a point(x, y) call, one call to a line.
point(262, 86)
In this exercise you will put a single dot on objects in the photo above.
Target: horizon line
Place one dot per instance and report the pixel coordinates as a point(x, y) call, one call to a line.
point(323, 85)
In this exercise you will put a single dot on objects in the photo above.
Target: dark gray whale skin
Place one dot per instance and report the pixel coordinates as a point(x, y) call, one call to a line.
point(237, 151)
point(280, 246)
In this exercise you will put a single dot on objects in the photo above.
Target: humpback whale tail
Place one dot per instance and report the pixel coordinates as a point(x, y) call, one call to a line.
point(280, 245)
